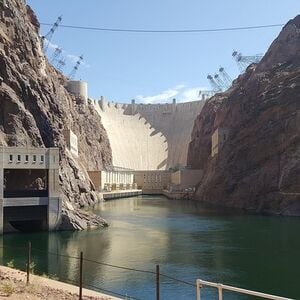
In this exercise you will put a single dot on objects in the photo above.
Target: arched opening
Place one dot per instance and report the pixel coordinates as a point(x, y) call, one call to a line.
point(25, 219)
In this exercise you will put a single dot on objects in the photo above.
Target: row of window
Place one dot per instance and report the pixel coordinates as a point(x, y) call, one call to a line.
point(34, 158)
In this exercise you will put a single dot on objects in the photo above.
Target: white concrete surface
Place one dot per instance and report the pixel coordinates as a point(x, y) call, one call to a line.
point(78, 89)
point(133, 143)
point(149, 137)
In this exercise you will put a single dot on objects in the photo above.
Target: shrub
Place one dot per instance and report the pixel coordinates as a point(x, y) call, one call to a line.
point(11, 264)
point(7, 288)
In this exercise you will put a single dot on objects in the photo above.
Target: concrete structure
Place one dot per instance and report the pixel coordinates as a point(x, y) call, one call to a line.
point(183, 184)
point(149, 136)
point(134, 143)
point(218, 139)
point(152, 182)
point(121, 194)
point(186, 178)
point(116, 184)
point(79, 89)
point(29, 188)
point(112, 180)
point(156, 182)
point(72, 141)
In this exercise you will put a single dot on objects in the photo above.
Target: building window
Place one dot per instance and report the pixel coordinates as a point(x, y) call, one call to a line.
point(19, 158)
point(34, 158)
point(26, 158)
point(10, 157)
point(42, 158)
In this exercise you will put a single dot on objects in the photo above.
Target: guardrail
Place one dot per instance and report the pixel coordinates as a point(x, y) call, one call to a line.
point(201, 283)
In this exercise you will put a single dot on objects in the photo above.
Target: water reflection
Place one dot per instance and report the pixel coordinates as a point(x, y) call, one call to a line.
point(188, 240)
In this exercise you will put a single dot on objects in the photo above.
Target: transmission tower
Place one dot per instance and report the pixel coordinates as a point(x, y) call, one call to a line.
point(61, 63)
point(50, 33)
point(215, 86)
point(225, 77)
point(56, 54)
point(244, 61)
point(220, 82)
point(73, 72)
point(205, 94)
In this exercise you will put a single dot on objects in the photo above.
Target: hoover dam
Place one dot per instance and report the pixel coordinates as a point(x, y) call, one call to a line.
point(148, 136)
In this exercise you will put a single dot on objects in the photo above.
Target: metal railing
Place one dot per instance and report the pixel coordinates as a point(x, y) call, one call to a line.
point(201, 283)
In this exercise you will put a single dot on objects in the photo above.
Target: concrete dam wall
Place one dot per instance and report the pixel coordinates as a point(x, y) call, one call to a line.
point(149, 136)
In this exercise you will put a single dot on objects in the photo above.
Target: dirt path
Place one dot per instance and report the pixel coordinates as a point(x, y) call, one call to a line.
point(13, 287)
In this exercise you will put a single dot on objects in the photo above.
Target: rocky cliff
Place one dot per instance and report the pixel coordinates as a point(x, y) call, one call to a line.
point(35, 108)
point(258, 167)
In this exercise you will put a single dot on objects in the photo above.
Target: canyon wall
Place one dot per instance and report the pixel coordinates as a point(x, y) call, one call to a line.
point(258, 166)
point(35, 109)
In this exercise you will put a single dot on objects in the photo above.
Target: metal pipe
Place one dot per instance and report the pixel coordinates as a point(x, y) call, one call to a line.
point(157, 283)
point(220, 292)
point(80, 275)
point(28, 262)
point(198, 287)
point(239, 290)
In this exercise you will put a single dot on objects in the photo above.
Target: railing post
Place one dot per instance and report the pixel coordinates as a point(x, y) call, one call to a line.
point(220, 291)
point(80, 275)
point(28, 262)
point(157, 283)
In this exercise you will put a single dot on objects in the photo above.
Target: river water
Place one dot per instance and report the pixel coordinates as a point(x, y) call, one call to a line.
point(187, 240)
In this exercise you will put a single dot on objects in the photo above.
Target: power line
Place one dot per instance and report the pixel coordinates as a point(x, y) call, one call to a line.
point(166, 31)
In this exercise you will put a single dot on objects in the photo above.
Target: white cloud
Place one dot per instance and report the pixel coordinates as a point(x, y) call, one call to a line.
point(51, 45)
point(164, 96)
point(191, 94)
point(181, 92)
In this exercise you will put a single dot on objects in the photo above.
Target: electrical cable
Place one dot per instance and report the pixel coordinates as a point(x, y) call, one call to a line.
point(166, 31)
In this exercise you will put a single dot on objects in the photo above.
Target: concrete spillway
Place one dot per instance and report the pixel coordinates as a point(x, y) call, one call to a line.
point(149, 137)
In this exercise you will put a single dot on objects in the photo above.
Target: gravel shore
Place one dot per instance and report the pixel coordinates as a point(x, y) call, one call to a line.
point(13, 286)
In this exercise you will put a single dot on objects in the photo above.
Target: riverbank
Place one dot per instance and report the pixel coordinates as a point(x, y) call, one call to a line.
point(13, 286)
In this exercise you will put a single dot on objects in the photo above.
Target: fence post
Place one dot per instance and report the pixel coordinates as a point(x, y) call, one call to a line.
point(80, 275)
point(157, 283)
point(28, 261)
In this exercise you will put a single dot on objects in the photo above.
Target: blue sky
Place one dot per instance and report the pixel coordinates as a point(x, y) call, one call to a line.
point(157, 67)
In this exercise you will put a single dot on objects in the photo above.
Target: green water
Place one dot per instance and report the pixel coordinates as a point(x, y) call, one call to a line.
point(187, 240)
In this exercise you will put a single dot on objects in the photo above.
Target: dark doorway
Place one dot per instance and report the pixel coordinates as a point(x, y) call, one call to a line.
point(25, 183)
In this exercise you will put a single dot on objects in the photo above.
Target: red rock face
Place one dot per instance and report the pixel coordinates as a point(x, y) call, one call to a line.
point(258, 167)
point(35, 108)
